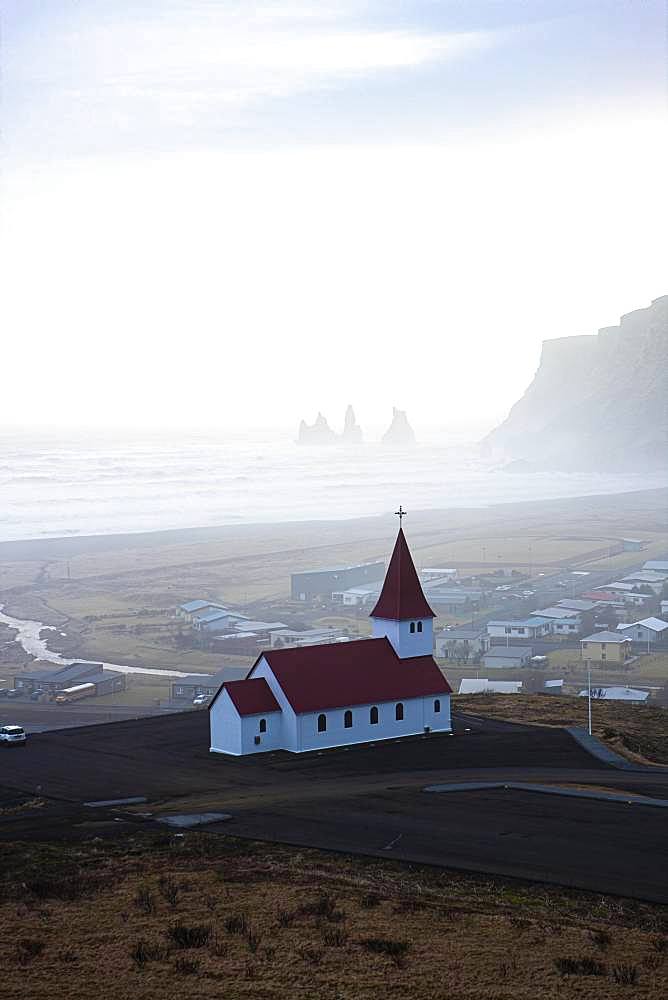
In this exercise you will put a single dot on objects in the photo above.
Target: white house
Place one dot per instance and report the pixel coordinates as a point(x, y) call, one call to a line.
point(616, 694)
point(470, 685)
point(338, 694)
point(508, 656)
point(528, 628)
point(646, 630)
point(649, 578)
point(191, 609)
point(661, 565)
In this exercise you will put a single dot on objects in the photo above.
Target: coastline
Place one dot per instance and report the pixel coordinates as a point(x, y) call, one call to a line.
point(71, 546)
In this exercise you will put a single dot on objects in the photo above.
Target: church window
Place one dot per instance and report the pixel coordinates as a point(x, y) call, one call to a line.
point(419, 627)
point(373, 716)
point(322, 723)
point(399, 712)
point(348, 719)
point(263, 725)
point(412, 628)
point(437, 705)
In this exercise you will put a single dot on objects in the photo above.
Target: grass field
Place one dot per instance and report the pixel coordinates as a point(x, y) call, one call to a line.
point(205, 917)
point(639, 732)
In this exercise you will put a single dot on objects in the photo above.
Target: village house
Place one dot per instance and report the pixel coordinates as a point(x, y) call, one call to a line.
point(650, 630)
point(339, 694)
point(460, 643)
point(563, 621)
point(613, 647)
point(507, 656)
point(481, 685)
point(527, 628)
point(311, 584)
point(647, 578)
point(658, 564)
point(616, 694)
point(192, 608)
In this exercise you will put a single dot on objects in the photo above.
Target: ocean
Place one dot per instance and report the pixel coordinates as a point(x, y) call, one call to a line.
point(62, 483)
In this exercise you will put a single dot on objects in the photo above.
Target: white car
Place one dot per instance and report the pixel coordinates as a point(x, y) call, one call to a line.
point(201, 699)
point(12, 734)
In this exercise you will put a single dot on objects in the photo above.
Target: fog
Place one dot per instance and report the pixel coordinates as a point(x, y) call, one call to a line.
point(236, 216)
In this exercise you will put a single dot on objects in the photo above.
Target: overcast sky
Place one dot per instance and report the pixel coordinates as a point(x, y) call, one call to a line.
point(221, 212)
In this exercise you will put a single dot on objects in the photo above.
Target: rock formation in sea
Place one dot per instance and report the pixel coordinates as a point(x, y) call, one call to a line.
point(597, 402)
point(317, 433)
point(352, 432)
point(400, 431)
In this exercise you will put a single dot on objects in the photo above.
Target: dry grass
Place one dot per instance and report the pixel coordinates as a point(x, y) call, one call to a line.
point(209, 917)
point(635, 731)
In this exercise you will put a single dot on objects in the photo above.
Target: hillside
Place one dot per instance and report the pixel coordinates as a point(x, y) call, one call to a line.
point(598, 400)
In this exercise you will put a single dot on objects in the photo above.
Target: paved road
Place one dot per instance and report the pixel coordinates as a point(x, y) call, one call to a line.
point(369, 799)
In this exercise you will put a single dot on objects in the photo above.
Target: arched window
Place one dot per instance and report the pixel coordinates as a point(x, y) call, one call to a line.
point(419, 626)
point(373, 716)
point(437, 705)
point(412, 628)
point(348, 719)
point(322, 723)
point(399, 712)
point(263, 725)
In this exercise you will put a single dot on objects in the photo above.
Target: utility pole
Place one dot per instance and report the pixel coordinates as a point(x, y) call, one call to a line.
point(589, 694)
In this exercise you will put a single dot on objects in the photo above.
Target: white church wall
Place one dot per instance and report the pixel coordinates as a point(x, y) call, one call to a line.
point(271, 739)
point(405, 642)
point(225, 726)
point(290, 733)
point(418, 713)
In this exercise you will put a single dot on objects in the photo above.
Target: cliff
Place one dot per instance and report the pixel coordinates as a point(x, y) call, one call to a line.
point(596, 402)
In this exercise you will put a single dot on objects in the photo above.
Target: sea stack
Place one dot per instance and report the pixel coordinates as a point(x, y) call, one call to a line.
point(318, 433)
point(352, 432)
point(400, 432)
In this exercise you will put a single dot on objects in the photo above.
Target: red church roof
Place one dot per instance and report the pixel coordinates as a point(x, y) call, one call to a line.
point(401, 596)
point(250, 697)
point(364, 672)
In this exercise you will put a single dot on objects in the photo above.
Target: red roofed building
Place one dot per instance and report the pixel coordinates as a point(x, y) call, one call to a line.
point(312, 697)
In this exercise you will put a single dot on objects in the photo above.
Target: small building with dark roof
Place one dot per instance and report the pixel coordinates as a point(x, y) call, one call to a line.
point(338, 694)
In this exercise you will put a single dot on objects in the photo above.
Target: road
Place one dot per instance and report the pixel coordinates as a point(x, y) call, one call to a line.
point(367, 799)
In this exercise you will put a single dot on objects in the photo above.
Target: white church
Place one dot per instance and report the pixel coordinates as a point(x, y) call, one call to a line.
point(335, 695)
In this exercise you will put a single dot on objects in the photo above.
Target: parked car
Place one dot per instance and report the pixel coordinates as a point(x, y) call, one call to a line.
point(36, 694)
point(4, 692)
point(201, 699)
point(12, 735)
point(14, 693)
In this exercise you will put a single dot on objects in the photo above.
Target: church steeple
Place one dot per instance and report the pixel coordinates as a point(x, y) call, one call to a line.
point(402, 613)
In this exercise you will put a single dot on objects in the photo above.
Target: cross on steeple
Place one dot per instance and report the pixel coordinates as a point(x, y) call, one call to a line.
point(401, 513)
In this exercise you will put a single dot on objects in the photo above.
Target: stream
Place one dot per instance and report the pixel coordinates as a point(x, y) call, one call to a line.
point(29, 638)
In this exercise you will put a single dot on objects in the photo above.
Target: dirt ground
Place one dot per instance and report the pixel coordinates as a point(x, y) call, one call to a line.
point(638, 732)
point(205, 916)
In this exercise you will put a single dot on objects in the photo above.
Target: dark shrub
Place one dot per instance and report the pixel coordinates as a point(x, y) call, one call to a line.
point(169, 891)
point(324, 908)
point(27, 949)
point(144, 899)
point(625, 975)
point(370, 900)
point(144, 951)
point(396, 950)
point(334, 937)
point(580, 966)
point(601, 939)
point(186, 966)
point(252, 940)
point(236, 923)
point(189, 937)
point(311, 955)
point(286, 917)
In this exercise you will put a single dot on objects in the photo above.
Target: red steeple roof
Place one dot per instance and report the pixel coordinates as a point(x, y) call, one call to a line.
point(401, 596)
